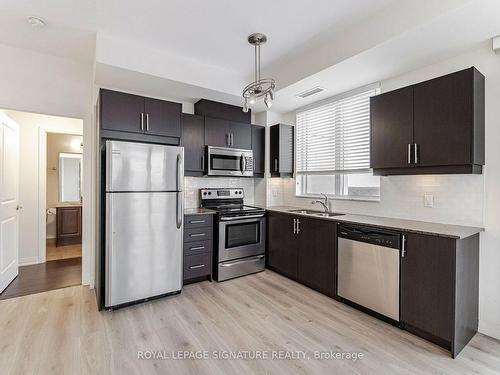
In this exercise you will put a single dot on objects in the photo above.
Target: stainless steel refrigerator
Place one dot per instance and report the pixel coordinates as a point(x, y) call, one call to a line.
point(144, 221)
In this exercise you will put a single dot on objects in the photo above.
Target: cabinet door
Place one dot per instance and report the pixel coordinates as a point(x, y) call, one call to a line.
point(69, 225)
point(317, 254)
point(193, 140)
point(282, 244)
point(216, 132)
point(444, 120)
point(427, 285)
point(121, 111)
point(163, 118)
point(258, 147)
point(241, 134)
point(391, 128)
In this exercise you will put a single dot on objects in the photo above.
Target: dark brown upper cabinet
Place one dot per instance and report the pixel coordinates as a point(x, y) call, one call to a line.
point(392, 128)
point(227, 133)
point(223, 111)
point(281, 150)
point(434, 127)
point(132, 117)
point(258, 147)
point(193, 140)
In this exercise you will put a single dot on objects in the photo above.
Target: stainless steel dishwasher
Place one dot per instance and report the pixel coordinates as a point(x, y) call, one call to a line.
point(368, 268)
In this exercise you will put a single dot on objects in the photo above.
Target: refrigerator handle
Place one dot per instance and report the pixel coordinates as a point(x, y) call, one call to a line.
point(180, 211)
point(179, 172)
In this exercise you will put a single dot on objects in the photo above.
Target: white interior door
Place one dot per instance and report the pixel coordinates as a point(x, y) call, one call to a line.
point(9, 205)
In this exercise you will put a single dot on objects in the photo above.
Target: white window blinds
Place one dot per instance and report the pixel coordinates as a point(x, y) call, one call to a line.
point(334, 137)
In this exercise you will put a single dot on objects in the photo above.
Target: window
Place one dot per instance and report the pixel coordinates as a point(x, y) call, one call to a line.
point(333, 148)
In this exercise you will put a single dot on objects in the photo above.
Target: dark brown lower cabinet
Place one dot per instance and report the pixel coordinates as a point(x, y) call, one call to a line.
point(317, 254)
point(282, 245)
point(69, 225)
point(440, 289)
point(303, 249)
point(197, 249)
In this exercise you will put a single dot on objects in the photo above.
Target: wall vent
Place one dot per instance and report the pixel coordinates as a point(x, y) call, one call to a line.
point(310, 92)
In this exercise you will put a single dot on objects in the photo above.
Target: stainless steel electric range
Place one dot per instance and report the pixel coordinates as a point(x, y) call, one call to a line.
point(240, 233)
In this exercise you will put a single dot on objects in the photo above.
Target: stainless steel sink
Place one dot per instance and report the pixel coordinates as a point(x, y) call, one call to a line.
point(326, 214)
point(309, 212)
point(315, 213)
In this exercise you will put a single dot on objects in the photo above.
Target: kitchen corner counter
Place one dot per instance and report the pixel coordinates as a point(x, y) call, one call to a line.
point(422, 227)
point(198, 211)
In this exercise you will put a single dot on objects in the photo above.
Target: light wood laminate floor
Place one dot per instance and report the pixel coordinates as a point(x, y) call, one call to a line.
point(62, 252)
point(61, 332)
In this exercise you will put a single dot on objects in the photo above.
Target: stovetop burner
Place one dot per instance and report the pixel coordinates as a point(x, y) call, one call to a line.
point(227, 202)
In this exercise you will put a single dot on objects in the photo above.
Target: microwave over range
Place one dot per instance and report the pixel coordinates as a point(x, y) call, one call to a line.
point(223, 161)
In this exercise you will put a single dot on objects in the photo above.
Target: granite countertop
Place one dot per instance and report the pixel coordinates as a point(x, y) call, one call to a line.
point(199, 211)
point(422, 227)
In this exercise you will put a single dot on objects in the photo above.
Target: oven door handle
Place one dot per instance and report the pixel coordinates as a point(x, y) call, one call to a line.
point(254, 259)
point(242, 219)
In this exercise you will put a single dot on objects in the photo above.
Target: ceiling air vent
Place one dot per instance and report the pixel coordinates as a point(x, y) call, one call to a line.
point(310, 92)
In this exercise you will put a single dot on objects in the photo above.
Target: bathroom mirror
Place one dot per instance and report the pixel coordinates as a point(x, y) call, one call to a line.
point(70, 177)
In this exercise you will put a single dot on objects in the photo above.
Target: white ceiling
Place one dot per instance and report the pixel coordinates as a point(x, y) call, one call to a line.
point(187, 49)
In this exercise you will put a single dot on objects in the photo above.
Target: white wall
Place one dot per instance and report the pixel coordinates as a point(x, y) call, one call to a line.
point(460, 199)
point(29, 127)
point(41, 83)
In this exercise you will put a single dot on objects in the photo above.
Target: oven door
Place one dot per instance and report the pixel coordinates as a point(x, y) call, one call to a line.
point(229, 162)
point(241, 237)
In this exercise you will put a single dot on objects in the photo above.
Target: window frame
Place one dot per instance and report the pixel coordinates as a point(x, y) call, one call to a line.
point(340, 178)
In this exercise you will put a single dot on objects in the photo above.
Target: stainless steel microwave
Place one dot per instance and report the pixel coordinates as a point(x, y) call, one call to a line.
point(223, 161)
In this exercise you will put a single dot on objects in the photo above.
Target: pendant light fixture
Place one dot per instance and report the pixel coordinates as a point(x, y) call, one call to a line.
point(261, 87)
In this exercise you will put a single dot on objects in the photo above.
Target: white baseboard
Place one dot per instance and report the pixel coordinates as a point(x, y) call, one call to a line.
point(28, 261)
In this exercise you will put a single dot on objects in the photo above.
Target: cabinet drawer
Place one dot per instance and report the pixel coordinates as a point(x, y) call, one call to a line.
point(197, 234)
point(197, 265)
point(198, 247)
point(197, 221)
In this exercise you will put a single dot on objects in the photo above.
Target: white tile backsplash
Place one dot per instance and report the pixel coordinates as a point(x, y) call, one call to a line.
point(458, 199)
point(192, 186)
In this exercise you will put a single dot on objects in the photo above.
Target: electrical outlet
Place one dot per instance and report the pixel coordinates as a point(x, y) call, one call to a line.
point(428, 200)
point(275, 193)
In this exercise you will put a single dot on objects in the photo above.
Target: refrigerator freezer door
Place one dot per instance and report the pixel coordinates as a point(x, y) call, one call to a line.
point(143, 246)
point(143, 167)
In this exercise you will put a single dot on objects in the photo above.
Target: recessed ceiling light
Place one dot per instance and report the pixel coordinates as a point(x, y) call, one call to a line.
point(35, 22)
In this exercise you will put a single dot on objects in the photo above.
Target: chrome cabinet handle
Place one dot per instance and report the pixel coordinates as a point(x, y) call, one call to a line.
point(197, 248)
point(276, 165)
point(294, 226)
point(416, 153)
point(298, 226)
point(403, 246)
point(147, 122)
point(197, 266)
point(196, 234)
point(196, 221)
point(228, 139)
point(409, 153)
point(202, 162)
point(142, 121)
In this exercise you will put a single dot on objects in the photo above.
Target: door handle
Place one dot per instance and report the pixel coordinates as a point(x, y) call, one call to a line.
point(403, 246)
point(147, 122)
point(196, 221)
point(276, 165)
point(409, 153)
point(180, 213)
point(202, 162)
point(197, 235)
point(294, 226)
point(197, 266)
point(416, 153)
point(142, 121)
point(197, 248)
point(179, 172)
point(242, 163)
point(228, 139)
point(232, 139)
point(19, 207)
point(298, 226)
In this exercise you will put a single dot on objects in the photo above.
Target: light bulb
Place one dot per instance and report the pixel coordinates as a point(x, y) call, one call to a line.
point(245, 106)
point(268, 101)
point(251, 99)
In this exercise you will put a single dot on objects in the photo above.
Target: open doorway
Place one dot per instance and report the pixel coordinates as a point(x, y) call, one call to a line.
point(49, 203)
point(64, 196)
